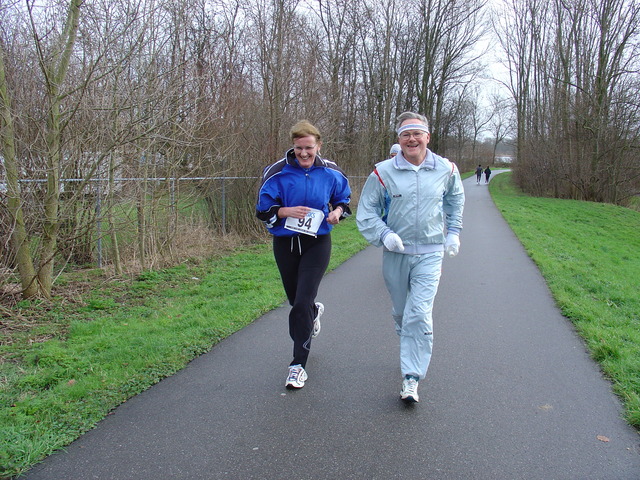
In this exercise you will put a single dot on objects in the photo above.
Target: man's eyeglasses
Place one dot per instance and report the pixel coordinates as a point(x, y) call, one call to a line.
point(407, 135)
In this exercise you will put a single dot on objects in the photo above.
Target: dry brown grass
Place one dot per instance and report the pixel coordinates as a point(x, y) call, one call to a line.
point(194, 244)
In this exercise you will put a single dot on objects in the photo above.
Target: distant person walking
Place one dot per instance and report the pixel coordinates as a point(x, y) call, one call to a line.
point(301, 198)
point(487, 174)
point(405, 206)
point(478, 174)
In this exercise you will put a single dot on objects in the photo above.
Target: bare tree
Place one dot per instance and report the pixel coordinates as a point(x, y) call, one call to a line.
point(448, 33)
point(161, 91)
point(500, 124)
point(574, 68)
point(381, 59)
point(17, 227)
point(274, 22)
point(53, 52)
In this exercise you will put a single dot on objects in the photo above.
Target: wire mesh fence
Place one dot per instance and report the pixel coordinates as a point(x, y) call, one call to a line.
point(147, 222)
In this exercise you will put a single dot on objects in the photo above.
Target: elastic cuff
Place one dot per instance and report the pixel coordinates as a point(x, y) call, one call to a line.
point(346, 211)
point(384, 234)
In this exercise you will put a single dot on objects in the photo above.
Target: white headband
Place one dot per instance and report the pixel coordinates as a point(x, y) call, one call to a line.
point(413, 126)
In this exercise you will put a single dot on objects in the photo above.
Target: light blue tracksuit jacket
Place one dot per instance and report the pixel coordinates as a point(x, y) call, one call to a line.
point(421, 205)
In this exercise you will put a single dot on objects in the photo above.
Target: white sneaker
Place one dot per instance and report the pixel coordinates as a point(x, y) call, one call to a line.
point(409, 391)
point(296, 377)
point(316, 321)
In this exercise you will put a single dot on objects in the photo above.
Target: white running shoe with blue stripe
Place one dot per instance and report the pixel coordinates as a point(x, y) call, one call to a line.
point(296, 377)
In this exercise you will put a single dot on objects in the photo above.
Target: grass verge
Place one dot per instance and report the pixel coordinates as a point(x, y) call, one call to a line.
point(588, 255)
point(61, 376)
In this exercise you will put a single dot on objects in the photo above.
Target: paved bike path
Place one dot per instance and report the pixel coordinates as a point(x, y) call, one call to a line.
point(511, 392)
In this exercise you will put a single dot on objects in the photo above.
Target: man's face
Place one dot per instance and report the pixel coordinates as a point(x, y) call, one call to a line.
point(414, 142)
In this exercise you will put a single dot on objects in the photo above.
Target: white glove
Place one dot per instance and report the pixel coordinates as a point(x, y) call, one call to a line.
point(452, 244)
point(393, 242)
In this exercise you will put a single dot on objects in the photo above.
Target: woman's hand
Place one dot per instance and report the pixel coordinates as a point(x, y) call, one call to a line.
point(294, 212)
point(334, 216)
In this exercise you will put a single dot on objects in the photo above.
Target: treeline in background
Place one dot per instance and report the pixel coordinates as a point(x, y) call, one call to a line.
point(133, 132)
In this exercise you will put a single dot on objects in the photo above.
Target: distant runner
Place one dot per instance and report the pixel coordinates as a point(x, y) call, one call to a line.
point(487, 174)
point(478, 174)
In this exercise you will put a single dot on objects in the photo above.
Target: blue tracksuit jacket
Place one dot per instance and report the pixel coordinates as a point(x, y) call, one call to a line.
point(286, 184)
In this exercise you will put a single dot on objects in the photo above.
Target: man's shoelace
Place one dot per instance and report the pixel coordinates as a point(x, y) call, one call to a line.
point(411, 385)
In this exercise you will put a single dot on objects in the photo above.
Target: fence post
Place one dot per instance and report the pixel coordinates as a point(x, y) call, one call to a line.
point(99, 221)
point(224, 207)
point(172, 195)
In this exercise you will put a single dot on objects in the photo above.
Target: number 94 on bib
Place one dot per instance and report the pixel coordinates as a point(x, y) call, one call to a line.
point(308, 225)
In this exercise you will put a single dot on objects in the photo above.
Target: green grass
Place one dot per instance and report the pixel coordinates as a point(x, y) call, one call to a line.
point(52, 391)
point(73, 364)
point(589, 256)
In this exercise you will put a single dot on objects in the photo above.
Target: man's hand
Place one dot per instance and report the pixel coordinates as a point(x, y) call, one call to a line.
point(452, 244)
point(393, 242)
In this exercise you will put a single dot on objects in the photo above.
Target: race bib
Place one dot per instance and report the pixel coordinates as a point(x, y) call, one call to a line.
point(308, 225)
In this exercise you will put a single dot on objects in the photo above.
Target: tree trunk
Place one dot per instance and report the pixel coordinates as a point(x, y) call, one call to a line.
point(55, 73)
point(19, 237)
point(115, 249)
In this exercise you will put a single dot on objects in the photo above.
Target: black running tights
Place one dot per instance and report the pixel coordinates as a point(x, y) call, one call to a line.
point(302, 261)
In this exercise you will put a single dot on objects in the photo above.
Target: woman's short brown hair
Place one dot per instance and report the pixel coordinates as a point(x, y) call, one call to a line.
point(304, 128)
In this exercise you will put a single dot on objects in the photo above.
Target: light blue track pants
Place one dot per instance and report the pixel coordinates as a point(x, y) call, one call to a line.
point(412, 281)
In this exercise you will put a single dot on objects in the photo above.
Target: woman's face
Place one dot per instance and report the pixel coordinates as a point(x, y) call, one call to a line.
point(306, 149)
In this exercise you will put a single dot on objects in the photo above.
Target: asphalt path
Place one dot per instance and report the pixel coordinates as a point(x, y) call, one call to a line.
point(511, 392)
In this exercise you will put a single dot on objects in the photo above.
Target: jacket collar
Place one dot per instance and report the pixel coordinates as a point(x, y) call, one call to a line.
point(402, 163)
